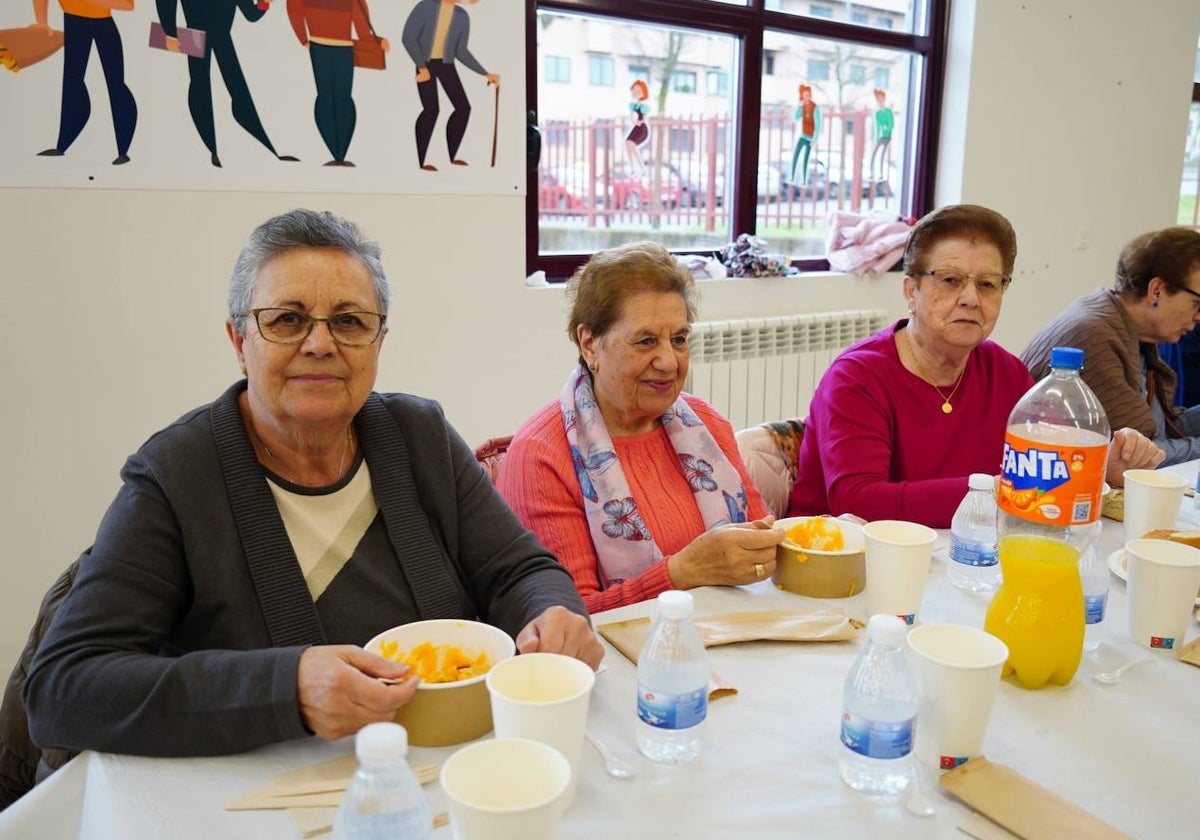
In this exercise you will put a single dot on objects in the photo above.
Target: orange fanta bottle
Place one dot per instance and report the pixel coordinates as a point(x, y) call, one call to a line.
point(1052, 474)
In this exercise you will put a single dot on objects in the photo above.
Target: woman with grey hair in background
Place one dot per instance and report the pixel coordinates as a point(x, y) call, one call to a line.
point(259, 540)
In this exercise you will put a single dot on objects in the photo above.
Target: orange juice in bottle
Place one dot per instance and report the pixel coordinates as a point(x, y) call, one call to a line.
point(1052, 473)
point(1038, 610)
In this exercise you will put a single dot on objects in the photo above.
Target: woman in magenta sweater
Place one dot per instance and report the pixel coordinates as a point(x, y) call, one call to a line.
point(635, 487)
point(901, 419)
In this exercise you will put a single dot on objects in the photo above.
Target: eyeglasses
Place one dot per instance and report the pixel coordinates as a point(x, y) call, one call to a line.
point(288, 326)
point(950, 282)
point(1196, 302)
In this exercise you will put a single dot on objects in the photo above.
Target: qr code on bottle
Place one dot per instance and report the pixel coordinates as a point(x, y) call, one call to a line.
point(1082, 512)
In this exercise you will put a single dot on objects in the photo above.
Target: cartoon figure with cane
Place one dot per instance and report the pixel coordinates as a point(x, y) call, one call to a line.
point(435, 37)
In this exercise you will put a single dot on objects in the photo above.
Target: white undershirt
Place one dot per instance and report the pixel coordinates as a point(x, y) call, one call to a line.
point(326, 528)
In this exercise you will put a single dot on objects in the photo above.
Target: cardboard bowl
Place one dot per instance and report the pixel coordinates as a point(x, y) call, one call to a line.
point(822, 574)
point(441, 714)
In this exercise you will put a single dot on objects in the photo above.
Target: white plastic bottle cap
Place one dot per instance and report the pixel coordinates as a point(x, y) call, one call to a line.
point(381, 743)
point(981, 481)
point(887, 629)
point(675, 605)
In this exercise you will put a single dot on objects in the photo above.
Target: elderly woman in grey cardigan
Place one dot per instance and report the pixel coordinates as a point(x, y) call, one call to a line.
point(259, 540)
point(1155, 299)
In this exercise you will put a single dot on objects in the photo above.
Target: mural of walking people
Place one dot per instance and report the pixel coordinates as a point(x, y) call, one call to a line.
point(323, 26)
point(639, 132)
point(215, 19)
point(435, 37)
point(88, 22)
point(885, 123)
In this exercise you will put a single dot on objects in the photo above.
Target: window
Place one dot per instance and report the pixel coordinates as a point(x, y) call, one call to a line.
point(715, 140)
point(884, 22)
point(683, 81)
point(558, 69)
point(600, 70)
point(1189, 183)
point(718, 83)
point(858, 17)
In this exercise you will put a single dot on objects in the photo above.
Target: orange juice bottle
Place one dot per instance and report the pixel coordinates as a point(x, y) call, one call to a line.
point(1038, 610)
point(1051, 476)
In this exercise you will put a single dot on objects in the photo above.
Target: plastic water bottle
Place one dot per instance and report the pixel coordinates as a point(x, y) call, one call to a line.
point(1052, 478)
point(974, 564)
point(879, 711)
point(384, 800)
point(1093, 571)
point(673, 676)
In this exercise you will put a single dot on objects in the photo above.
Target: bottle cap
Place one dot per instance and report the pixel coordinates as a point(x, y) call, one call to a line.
point(887, 629)
point(675, 605)
point(981, 481)
point(381, 743)
point(1070, 358)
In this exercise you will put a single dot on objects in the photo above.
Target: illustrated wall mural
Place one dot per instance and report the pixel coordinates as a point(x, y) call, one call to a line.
point(408, 96)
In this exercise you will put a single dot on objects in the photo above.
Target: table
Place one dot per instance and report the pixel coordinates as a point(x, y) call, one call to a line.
point(1127, 752)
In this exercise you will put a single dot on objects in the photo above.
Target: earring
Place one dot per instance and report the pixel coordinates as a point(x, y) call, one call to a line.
point(1154, 305)
point(593, 367)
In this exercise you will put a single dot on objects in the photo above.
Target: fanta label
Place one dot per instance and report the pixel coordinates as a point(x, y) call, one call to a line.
point(1050, 483)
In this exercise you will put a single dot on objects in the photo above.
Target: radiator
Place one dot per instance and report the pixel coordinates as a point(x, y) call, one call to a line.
point(768, 368)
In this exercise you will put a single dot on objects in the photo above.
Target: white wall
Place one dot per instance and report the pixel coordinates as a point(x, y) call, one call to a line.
point(114, 300)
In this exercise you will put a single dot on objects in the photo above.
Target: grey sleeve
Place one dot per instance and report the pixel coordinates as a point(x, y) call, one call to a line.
point(112, 674)
point(1185, 448)
point(512, 577)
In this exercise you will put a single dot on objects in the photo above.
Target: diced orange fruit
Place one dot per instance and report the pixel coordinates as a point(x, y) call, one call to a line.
point(818, 533)
point(438, 663)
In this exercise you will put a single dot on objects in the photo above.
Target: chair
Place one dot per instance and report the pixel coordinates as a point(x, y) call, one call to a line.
point(490, 455)
point(22, 763)
point(770, 452)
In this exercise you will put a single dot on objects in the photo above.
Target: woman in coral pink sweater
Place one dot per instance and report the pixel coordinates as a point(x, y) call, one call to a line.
point(636, 487)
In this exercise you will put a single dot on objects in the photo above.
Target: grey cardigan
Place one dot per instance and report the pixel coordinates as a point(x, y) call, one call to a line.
point(183, 631)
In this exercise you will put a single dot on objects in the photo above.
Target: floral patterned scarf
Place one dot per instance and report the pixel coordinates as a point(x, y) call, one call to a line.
point(623, 543)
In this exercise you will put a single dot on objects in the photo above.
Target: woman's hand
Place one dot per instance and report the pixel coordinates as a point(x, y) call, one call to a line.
point(558, 630)
point(341, 689)
point(729, 555)
point(1130, 450)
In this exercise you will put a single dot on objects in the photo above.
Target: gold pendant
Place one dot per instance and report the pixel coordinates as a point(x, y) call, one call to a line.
point(946, 407)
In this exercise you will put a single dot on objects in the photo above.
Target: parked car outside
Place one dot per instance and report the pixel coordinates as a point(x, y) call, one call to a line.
point(631, 190)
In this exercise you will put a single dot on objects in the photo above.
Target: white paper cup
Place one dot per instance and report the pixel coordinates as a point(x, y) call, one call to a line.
point(1152, 500)
point(506, 789)
point(1162, 579)
point(898, 558)
point(958, 670)
point(543, 696)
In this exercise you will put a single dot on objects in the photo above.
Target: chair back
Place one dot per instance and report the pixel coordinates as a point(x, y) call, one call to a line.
point(771, 452)
point(490, 455)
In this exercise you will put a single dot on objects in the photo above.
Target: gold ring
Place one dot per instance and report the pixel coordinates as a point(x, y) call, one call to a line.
point(759, 570)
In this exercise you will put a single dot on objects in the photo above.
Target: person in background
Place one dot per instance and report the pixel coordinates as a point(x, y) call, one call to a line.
point(635, 486)
point(900, 420)
point(1183, 357)
point(259, 540)
point(1155, 298)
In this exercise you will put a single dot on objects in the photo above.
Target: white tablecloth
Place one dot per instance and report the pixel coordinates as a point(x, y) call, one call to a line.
point(1129, 753)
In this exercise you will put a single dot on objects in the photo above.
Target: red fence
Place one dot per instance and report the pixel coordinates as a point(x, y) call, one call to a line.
point(587, 173)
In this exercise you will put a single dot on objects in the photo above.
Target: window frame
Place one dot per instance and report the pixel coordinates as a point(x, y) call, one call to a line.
point(748, 23)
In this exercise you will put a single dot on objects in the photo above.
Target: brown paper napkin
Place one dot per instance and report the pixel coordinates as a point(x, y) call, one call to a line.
point(1022, 806)
point(773, 625)
point(1190, 653)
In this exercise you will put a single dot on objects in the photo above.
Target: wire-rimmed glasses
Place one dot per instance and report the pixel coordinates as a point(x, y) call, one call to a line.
point(290, 326)
point(951, 282)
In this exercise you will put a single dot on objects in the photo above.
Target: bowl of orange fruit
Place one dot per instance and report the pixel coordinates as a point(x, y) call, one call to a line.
point(821, 557)
point(452, 658)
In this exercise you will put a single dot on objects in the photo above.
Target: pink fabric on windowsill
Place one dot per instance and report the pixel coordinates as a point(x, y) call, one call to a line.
point(865, 246)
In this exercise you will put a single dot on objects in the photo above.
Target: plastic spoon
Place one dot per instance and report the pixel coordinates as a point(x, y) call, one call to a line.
point(1110, 677)
point(914, 798)
point(614, 766)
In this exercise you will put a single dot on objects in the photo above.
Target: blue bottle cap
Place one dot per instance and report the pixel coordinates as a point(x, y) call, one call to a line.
point(1070, 358)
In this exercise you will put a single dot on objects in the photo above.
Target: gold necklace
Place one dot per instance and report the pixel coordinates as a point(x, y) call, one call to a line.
point(278, 463)
point(946, 406)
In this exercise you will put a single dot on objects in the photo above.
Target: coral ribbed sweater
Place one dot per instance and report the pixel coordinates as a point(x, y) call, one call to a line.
point(538, 481)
